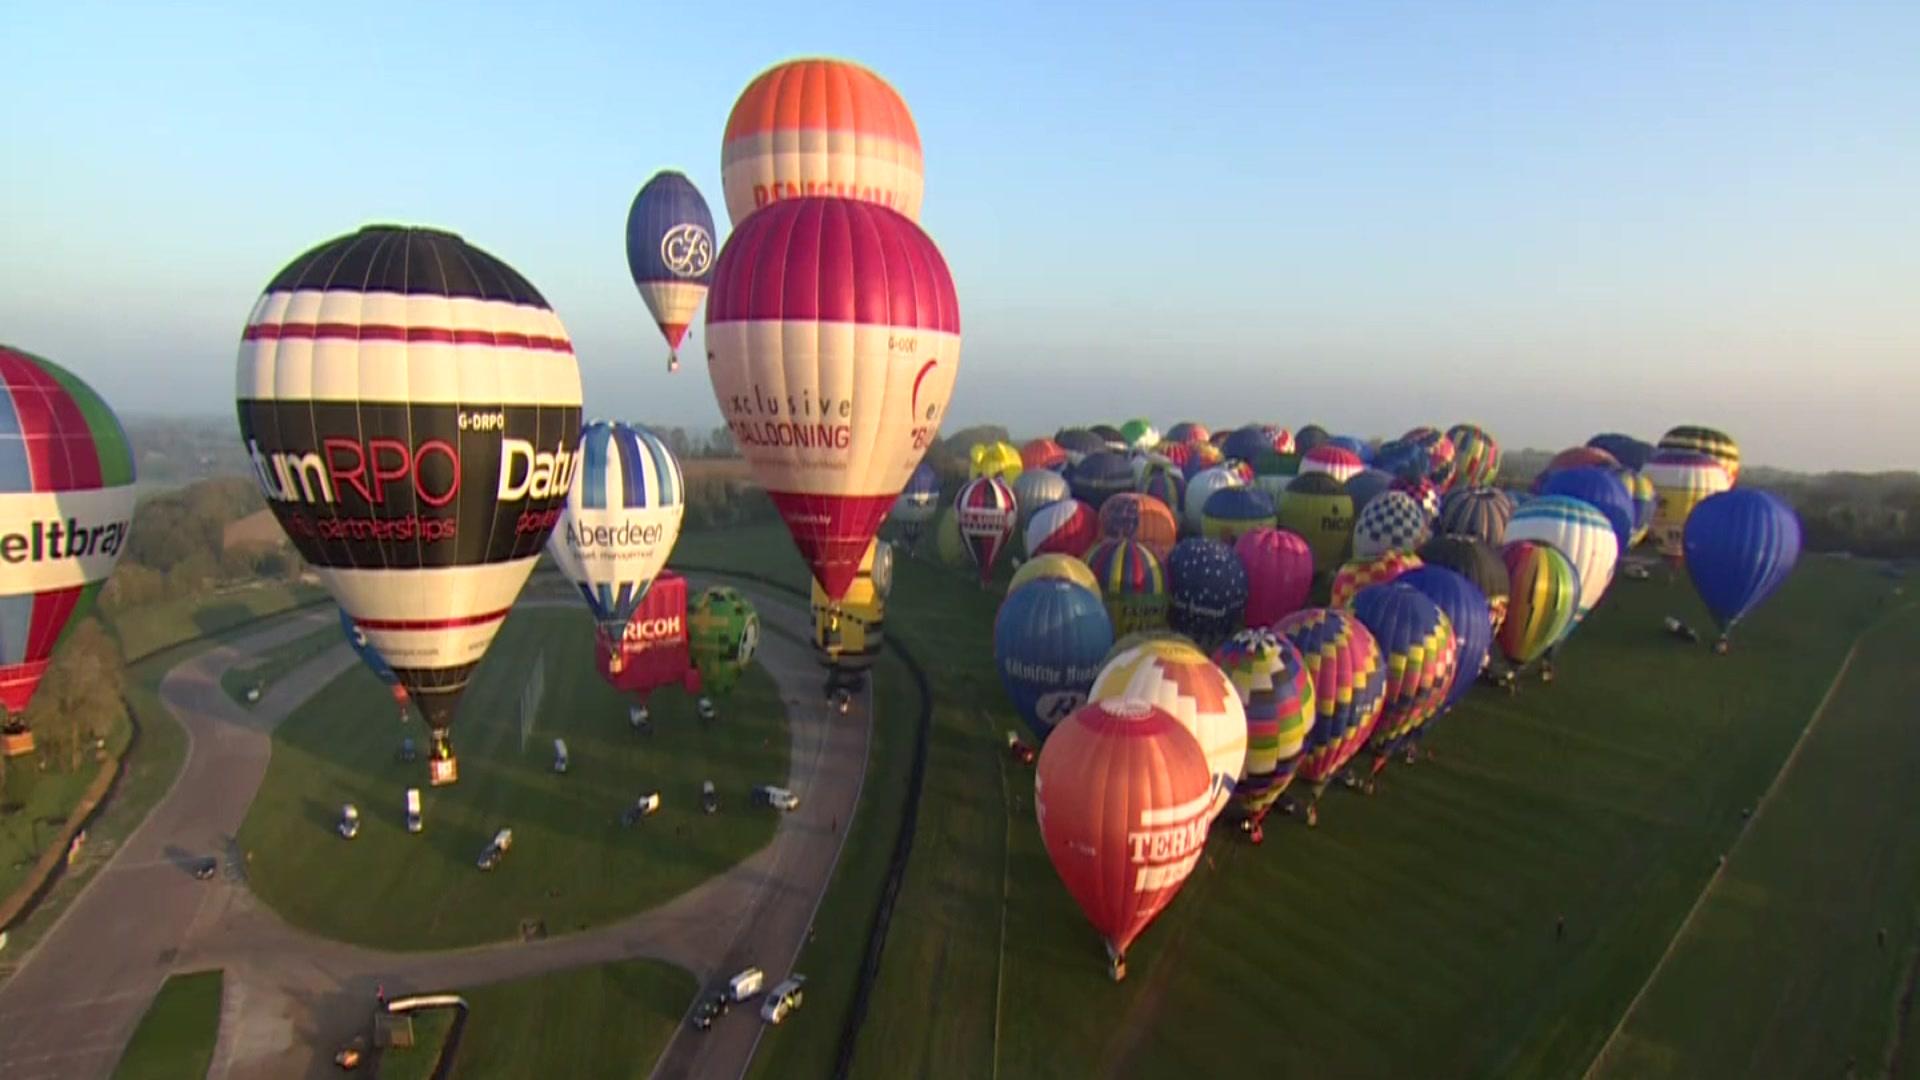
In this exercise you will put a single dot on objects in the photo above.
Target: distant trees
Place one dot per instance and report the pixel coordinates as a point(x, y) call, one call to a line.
point(79, 700)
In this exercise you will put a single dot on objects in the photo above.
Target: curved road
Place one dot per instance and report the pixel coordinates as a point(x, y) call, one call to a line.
point(291, 997)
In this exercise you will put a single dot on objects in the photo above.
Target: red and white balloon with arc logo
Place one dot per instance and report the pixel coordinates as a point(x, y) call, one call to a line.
point(833, 340)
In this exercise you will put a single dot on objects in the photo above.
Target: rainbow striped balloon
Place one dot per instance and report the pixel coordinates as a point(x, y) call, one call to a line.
point(1276, 689)
point(1349, 688)
point(1133, 583)
point(1545, 593)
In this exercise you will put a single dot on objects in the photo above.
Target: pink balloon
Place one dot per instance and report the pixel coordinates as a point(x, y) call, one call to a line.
point(1279, 573)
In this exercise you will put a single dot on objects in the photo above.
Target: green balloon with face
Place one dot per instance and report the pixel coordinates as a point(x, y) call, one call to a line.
point(723, 630)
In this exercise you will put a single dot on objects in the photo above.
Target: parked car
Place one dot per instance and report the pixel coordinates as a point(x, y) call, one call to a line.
point(709, 798)
point(705, 708)
point(560, 760)
point(414, 823)
point(746, 984)
point(502, 841)
point(783, 999)
point(206, 868)
point(777, 797)
point(645, 806)
point(349, 822)
point(641, 718)
point(710, 1010)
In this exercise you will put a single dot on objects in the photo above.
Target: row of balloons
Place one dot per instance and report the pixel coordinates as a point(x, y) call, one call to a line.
point(1178, 662)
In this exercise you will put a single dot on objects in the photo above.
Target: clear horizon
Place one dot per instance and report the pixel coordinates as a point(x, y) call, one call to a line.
point(1553, 223)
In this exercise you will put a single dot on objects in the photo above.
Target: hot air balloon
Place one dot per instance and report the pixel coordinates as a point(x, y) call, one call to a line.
point(1476, 455)
point(1098, 476)
point(670, 252)
point(947, 545)
point(1132, 516)
point(1232, 512)
point(918, 504)
point(411, 409)
point(1115, 439)
point(1276, 691)
point(1367, 485)
point(723, 633)
point(622, 517)
point(1042, 454)
point(1681, 479)
point(1348, 689)
point(1201, 487)
point(1640, 488)
point(1067, 527)
point(1248, 443)
point(1717, 445)
point(1273, 471)
point(1478, 562)
point(866, 367)
point(1479, 512)
point(1466, 608)
point(1133, 584)
point(1206, 591)
point(1035, 491)
point(848, 633)
point(1173, 675)
point(1279, 567)
point(1341, 464)
point(1318, 508)
point(1391, 522)
point(1122, 795)
point(1741, 545)
point(1424, 492)
point(1200, 458)
point(1001, 459)
point(1545, 595)
point(1418, 650)
point(820, 128)
point(1602, 489)
point(1139, 434)
point(1402, 459)
point(1360, 574)
point(1064, 567)
point(1167, 485)
point(1574, 457)
point(1352, 445)
point(986, 510)
point(652, 650)
point(1078, 443)
point(1581, 533)
point(1186, 431)
point(1309, 437)
point(1630, 452)
point(66, 505)
point(1441, 455)
point(1049, 641)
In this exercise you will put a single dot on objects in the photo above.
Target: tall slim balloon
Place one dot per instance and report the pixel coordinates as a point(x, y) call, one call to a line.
point(987, 509)
point(1276, 690)
point(820, 127)
point(411, 408)
point(66, 506)
point(833, 339)
point(670, 251)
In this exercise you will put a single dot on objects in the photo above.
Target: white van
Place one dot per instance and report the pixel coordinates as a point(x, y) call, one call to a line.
point(559, 755)
point(746, 984)
point(777, 797)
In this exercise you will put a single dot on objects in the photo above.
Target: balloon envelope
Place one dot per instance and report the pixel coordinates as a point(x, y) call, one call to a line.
point(820, 127)
point(1466, 608)
point(1741, 545)
point(1067, 527)
point(1064, 567)
point(1478, 562)
point(1206, 591)
point(1174, 676)
point(1276, 690)
point(723, 633)
point(1545, 595)
point(1049, 641)
point(1132, 582)
point(1391, 522)
point(1601, 489)
point(1348, 688)
point(1099, 475)
point(1681, 479)
point(1578, 531)
point(622, 517)
point(1133, 516)
point(670, 252)
point(1233, 511)
point(1717, 445)
point(1318, 508)
point(1630, 452)
point(986, 510)
point(1479, 512)
point(1418, 649)
point(1279, 567)
point(1361, 574)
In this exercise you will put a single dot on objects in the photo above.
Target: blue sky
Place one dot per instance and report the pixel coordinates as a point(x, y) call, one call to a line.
point(1552, 218)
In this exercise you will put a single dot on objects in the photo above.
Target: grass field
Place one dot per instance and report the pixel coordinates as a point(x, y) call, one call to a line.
point(572, 865)
point(430, 1030)
point(175, 1039)
point(276, 663)
point(1782, 971)
point(610, 1020)
point(147, 630)
point(37, 804)
point(1413, 932)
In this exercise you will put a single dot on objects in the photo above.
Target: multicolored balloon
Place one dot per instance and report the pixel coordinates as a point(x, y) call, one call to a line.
point(1067, 527)
point(986, 509)
point(820, 127)
point(1042, 454)
point(1049, 642)
point(1132, 516)
point(1476, 456)
point(1186, 431)
point(1206, 591)
point(1545, 595)
point(1631, 453)
point(723, 633)
point(1035, 491)
point(1169, 485)
point(1361, 574)
point(1477, 561)
point(1418, 649)
point(1123, 797)
point(1064, 567)
point(1602, 489)
point(1335, 461)
point(670, 254)
point(1578, 531)
point(411, 408)
point(66, 507)
point(1276, 691)
point(867, 368)
point(1139, 434)
point(1717, 445)
point(1741, 545)
point(1349, 686)
point(1391, 522)
point(848, 633)
point(1645, 500)
point(1172, 675)
point(1133, 583)
point(621, 520)
point(1466, 608)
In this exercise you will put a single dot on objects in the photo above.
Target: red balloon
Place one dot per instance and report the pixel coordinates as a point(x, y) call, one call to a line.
point(653, 651)
point(1279, 568)
point(1042, 454)
point(1124, 796)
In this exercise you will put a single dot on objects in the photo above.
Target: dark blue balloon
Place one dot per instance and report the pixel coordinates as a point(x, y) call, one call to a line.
point(1740, 545)
point(1600, 488)
point(1366, 485)
point(1357, 447)
point(923, 487)
point(1097, 477)
point(1467, 607)
point(1627, 450)
point(1309, 437)
point(1408, 461)
point(1206, 591)
point(1247, 444)
point(1239, 504)
point(670, 233)
point(1079, 441)
point(365, 650)
point(1049, 641)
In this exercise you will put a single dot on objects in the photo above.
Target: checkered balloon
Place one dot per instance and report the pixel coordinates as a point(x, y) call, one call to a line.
point(1391, 522)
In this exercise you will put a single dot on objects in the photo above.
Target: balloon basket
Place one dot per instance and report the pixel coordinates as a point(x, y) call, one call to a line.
point(1116, 966)
point(16, 743)
point(442, 771)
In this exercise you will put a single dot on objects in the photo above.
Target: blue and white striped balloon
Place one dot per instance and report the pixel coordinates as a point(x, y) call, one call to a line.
point(622, 517)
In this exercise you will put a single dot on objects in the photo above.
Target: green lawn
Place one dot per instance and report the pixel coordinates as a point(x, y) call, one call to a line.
point(175, 1039)
point(276, 663)
point(1412, 933)
point(430, 1030)
point(147, 630)
point(1782, 971)
point(610, 1020)
point(35, 806)
point(572, 865)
